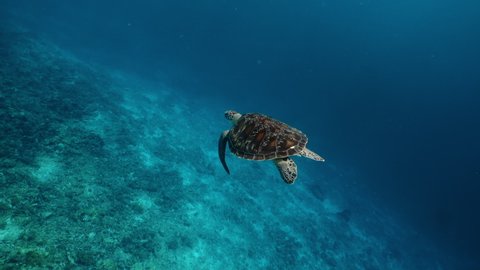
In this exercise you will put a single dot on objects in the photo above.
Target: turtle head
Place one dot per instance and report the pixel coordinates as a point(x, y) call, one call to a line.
point(233, 116)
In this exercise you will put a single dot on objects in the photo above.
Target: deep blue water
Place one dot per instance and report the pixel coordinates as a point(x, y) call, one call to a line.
point(387, 91)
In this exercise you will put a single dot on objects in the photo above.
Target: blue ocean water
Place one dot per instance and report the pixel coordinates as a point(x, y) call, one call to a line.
point(111, 113)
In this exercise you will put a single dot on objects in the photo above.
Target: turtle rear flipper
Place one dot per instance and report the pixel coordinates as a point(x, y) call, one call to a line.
point(287, 168)
point(310, 154)
point(222, 144)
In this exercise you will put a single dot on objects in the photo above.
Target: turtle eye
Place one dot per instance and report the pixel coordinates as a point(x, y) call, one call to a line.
point(229, 115)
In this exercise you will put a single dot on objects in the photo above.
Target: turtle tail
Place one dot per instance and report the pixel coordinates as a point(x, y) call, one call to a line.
point(222, 144)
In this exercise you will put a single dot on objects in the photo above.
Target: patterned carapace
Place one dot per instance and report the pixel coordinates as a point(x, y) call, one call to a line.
point(259, 137)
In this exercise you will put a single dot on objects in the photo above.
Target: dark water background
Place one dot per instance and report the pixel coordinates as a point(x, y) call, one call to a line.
point(388, 90)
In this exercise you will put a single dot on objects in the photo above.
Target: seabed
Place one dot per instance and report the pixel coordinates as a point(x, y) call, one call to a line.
point(100, 171)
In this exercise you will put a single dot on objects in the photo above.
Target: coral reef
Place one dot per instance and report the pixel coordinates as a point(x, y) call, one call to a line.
point(100, 172)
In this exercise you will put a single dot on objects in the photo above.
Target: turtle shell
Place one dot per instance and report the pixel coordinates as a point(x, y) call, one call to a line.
point(259, 137)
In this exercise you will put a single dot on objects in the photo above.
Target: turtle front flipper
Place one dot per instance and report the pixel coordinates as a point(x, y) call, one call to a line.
point(222, 144)
point(287, 168)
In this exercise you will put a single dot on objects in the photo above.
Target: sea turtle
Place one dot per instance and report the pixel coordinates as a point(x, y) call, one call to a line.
point(256, 136)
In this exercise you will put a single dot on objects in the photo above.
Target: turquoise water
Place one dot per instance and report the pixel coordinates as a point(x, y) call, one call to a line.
point(103, 170)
